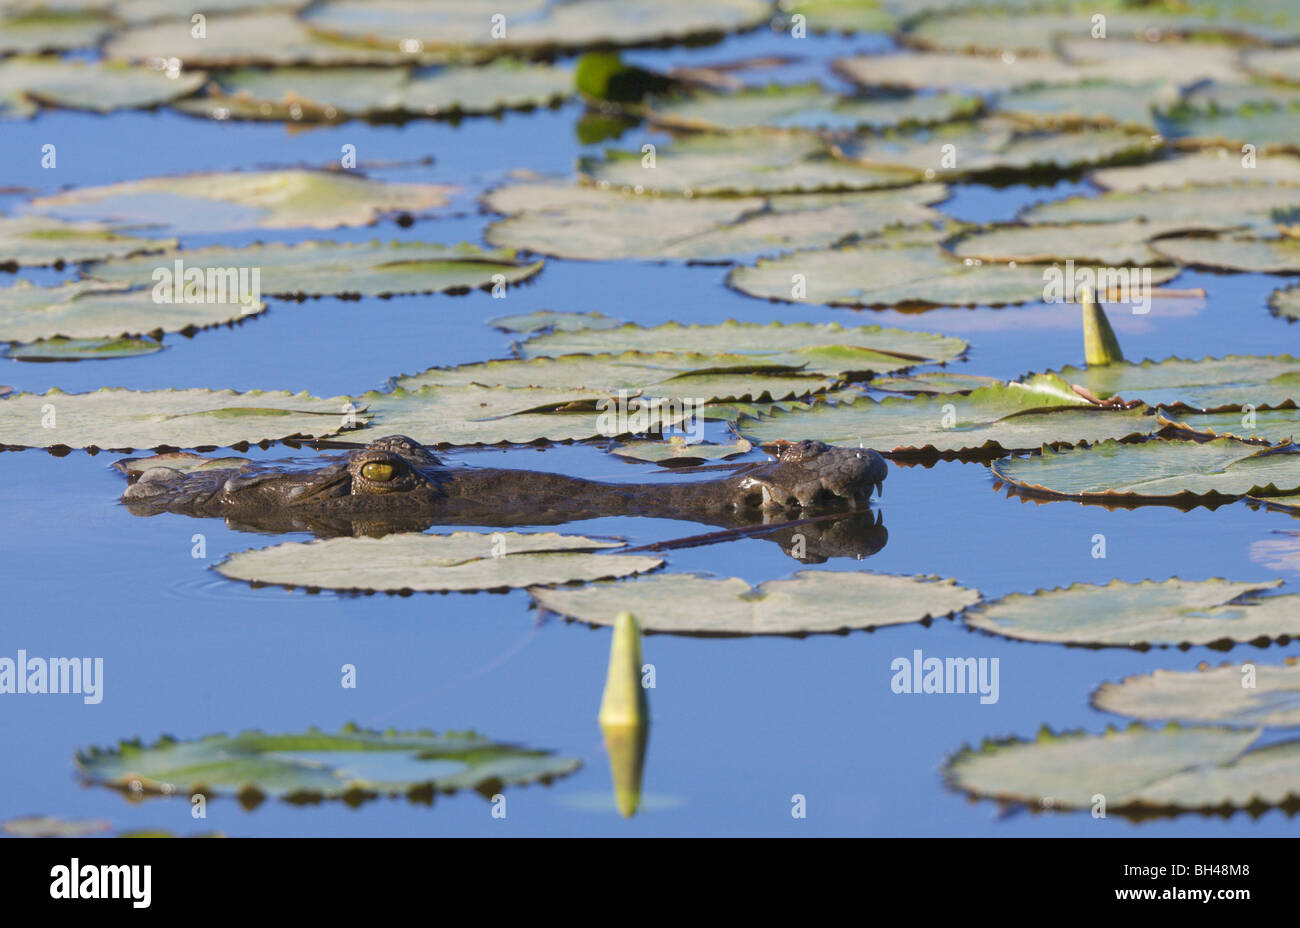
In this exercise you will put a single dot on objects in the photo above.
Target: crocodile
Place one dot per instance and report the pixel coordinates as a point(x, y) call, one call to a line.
point(396, 484)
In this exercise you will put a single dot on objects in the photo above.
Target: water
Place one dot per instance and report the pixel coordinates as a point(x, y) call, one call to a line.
point(740, 725)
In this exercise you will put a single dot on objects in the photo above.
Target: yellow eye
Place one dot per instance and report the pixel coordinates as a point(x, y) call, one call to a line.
point(378, 471)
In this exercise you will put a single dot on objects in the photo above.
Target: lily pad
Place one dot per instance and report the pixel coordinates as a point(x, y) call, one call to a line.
point(1286, 302)
point(342, 268)
point(550, 320)
point(933, 382)
point(332, 94)
point(1235, 253)
point(949, 71)
point(82, 349)
point(1203, 384)
point(1260, 113)
point(1170, 613)
point(1122, 244)
point(805, 106)
point(1137, 770)
point(1265, 426)
point(1217, 696)
point(1279, 64)
point(49, 826)
point(531, 25)
point(1212, 167)
point(829, 348)
point(41, 29)
point(353, 765)
point(741, 163)
point(677, 452)
point(222, 202)
point(812, 602)
point(1255, 206)
point(122, 420)
point(1103, 102)
point(38, 241)
point(590, 223)
point(461, 561)
point(848, 15)
point(87, 85)
point(1183, 472)
point(867, 275)
point(94, 309)
point(1006, 416)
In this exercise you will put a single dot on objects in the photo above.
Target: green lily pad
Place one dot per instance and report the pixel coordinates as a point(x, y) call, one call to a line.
point(1120, 244)
point(343, 268)
point(1211, 167)
point(87, 85)
point(935, 382)
point(30, 31)
point(461, 561)
point(332, 94)
point(945, 71)
point(38, 241)
point(550, 320)
point(122, 420)
point(1007, 416)
point(477, 415)
point(847, 15)
point(531, 25)
point(867, 275)
point(1216, 696)
point(590, 223)
point(804, 106)
point(1264, 426)
point(184, 461)
point(1232, 253)
point(222, 202)
point(82, 349)
point(1267, 126)
point(150, 11)
point(829, 348)
point(1169, 613)
point(1128, 61)
point(1285, 303)
point(353, 765)
point(1138, 770)
point(50, 826)
point(1254, 206)
point(94, 309)
point(677, 452)
point(812, 602)
point(1096, 101)
point(1278, 64)
point(1182, 472)
point(1203, 384)
point(741, 163)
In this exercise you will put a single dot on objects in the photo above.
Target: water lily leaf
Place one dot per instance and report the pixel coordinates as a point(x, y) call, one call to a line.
point(1006, 416)
point(331, 94)
point(1278, 64)
point(742, 163)
point(1139, 62)
point(1089, 102)
point(550, 320)
point(848, 15)
point(531, 25)
point(994, 144)
point(676, 452)
point(1267, 426)
point(82, 349)
point(1119, 244)
point(1209, 695)
point(353, 764)
point(699, 378)
point(1234, 253)
point(1170, 471)
point(30, 31)
point(866, 275)
point(830, 348)
point(50, 826)
point(1256, 206)
point(812, 602)
point(1165, 613)
point(37, 241)
point(1205, 383)
point(1211, 167)
point(804, 106)
point(184, 461)
point(461, 561)
point(150, 11)
point(944, 71)
point(86, 85)
point(1268, 128)
point(591, 223)
point(936, 382)
point(1137, 769)
point(477, 415)
point(94, 309)
point(123, 420)
point(1286, 302)
point(342, 268)
point(222, 202)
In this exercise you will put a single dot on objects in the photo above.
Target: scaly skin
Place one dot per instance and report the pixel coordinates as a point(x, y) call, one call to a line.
point(396, 484)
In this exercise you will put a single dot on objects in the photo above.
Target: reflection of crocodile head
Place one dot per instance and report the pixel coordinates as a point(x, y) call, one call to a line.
point(395, 484)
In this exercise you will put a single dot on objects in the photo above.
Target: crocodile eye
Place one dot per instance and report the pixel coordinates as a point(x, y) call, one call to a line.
point(378, 471)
